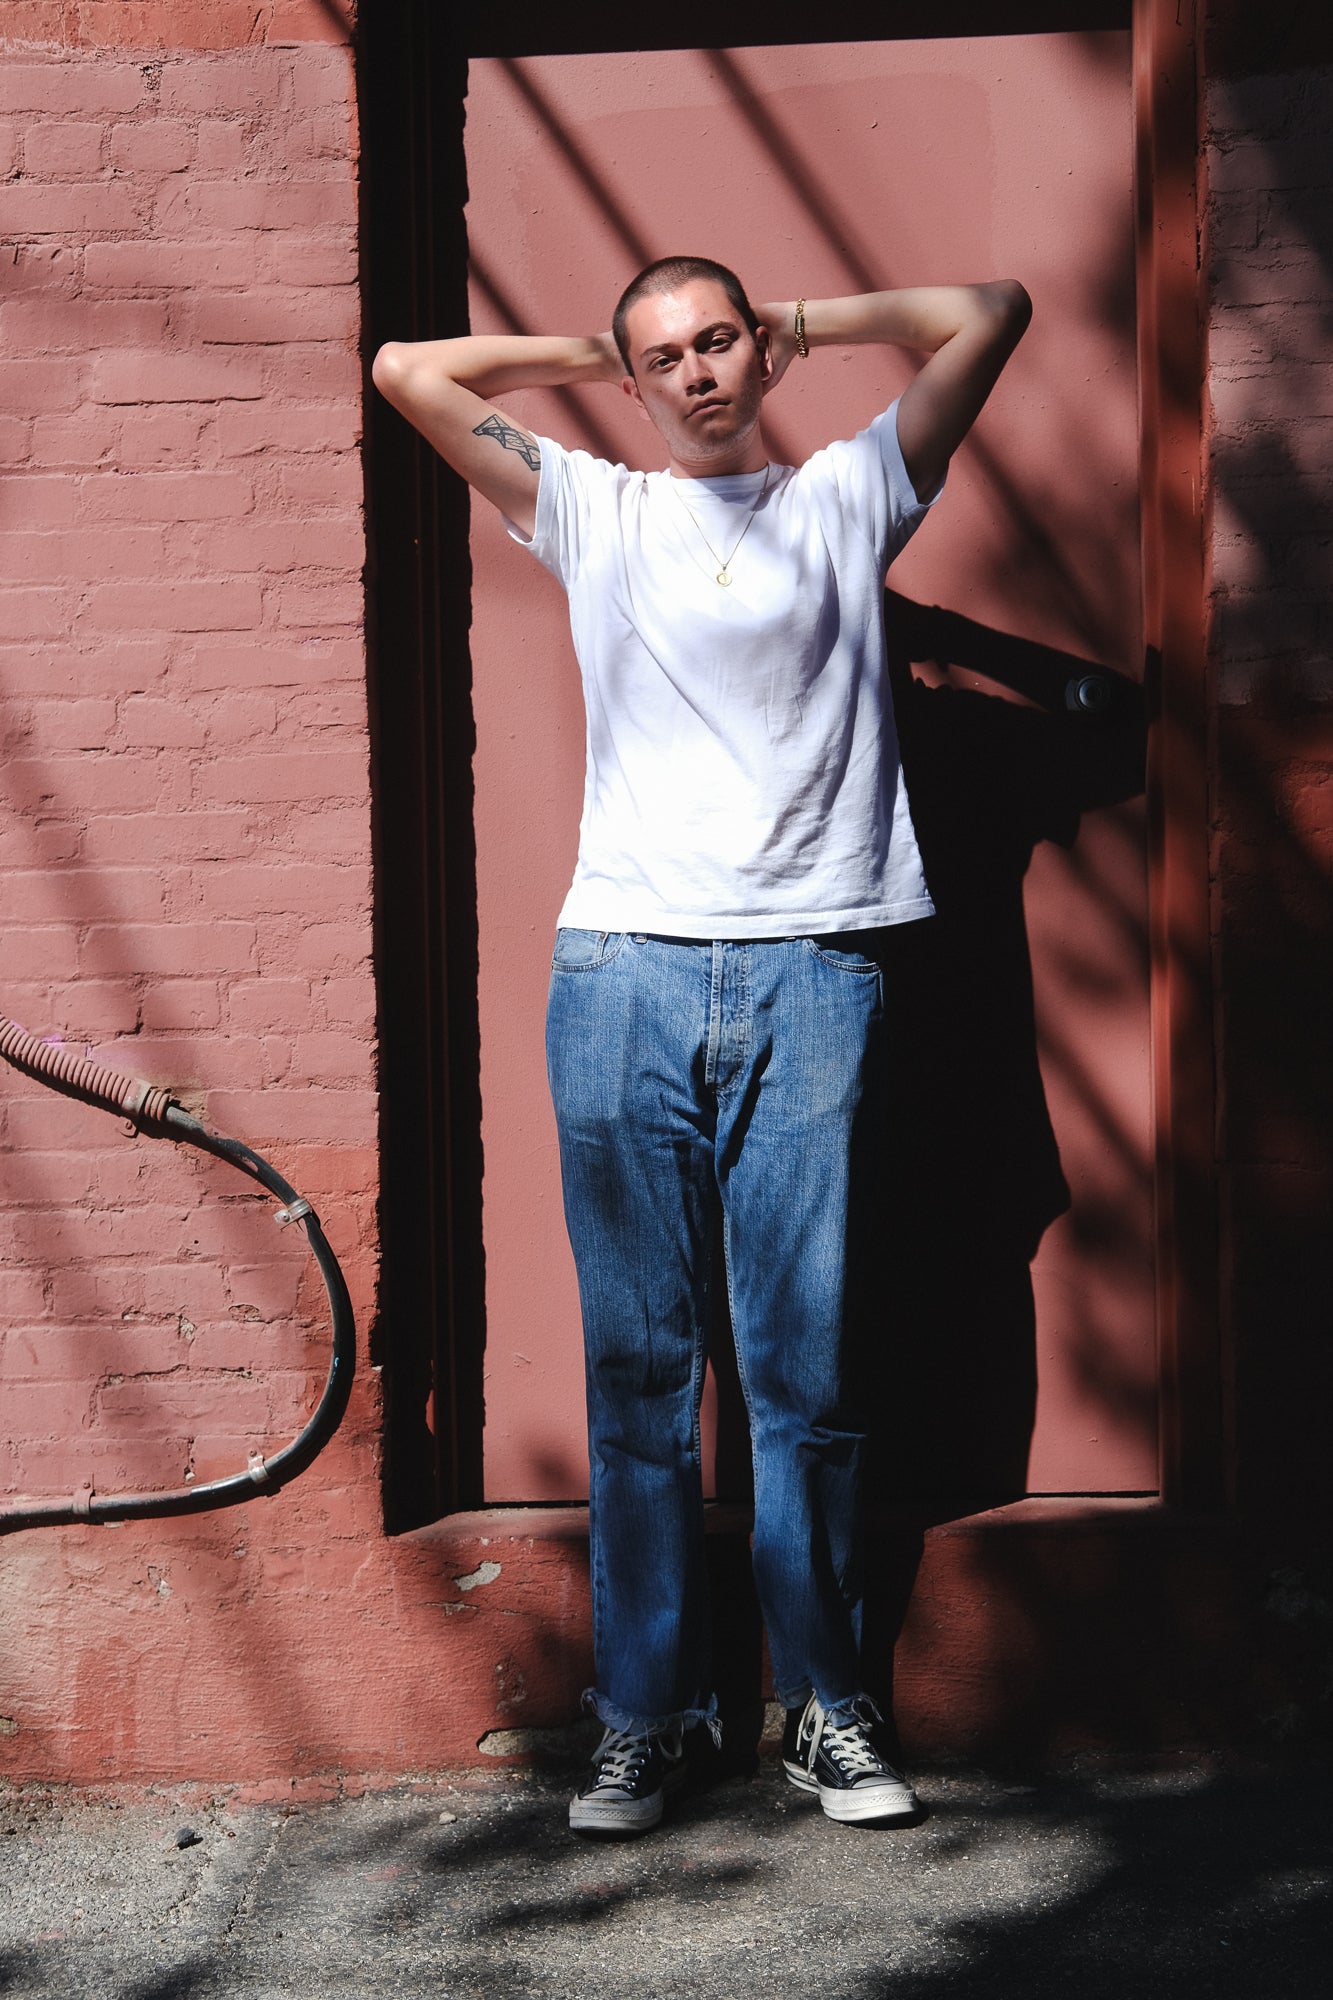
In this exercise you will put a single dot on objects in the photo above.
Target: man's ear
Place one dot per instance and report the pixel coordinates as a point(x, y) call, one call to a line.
point(763, 340)
point(631, 388)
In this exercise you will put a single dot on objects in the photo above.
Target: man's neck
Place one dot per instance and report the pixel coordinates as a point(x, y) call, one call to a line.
point(749, 456)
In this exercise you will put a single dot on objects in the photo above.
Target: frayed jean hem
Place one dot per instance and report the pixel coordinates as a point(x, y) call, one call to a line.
point(612, 1717)
point(859, 1709)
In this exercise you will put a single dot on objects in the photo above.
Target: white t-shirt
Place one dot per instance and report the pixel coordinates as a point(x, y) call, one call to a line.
point(743, 777)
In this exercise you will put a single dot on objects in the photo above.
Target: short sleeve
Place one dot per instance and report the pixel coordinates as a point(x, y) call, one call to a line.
point(873, 485)
point(567, 490)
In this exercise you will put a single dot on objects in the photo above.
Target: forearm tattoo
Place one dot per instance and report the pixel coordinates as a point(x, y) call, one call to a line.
point(510, 439)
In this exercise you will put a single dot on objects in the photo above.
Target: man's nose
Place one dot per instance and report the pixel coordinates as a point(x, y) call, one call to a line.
point(698, 371)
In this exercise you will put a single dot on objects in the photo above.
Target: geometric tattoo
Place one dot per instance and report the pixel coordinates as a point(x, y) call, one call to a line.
point(510, 439)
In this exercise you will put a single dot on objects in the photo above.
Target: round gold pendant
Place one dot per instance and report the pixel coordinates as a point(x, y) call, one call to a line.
point(724, 576)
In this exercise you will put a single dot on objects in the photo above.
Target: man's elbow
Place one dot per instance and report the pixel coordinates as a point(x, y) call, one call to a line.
point(1011, 305)
point(388, 371)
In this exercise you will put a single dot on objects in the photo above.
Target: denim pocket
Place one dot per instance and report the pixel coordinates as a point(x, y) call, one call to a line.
point(585, 951)
point(848, 958)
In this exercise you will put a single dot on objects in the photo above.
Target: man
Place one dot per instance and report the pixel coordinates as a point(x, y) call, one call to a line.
point(716, 1003)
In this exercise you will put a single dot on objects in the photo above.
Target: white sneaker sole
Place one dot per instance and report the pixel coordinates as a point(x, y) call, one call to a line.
point(615, 1816)
point(892, 1800)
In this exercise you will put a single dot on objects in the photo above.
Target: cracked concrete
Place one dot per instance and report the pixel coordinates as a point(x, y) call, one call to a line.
point(1190, 1882)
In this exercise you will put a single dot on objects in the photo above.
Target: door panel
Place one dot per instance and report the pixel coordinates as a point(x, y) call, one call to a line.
point(823, 170)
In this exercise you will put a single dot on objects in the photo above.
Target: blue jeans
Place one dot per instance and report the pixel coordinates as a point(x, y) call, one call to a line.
point(682, 1072)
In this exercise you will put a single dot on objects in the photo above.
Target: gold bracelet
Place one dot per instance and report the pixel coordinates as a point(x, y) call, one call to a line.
point(802, 344)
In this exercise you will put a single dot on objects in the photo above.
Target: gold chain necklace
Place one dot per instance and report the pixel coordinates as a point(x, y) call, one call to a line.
point(723, 562)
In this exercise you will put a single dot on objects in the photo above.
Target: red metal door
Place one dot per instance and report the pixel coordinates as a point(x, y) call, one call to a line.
point(830, 169)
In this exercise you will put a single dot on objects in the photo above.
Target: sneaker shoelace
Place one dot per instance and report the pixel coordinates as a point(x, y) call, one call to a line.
point(850, 1748)
point(620, 1758)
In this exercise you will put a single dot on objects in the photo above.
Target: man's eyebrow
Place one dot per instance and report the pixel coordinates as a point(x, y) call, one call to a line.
point(704, 333)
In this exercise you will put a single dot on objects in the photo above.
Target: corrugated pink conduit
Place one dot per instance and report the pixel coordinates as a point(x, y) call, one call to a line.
point(154, 1112)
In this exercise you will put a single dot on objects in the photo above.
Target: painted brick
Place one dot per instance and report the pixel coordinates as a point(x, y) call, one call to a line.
point(301, 21)
point(349, 1003)
point(29, 386)
point(221, 147)
point(274, 313)
point(90, 438)
point(186, 1004)
point(183, 1402)
point(45, 1409)
point(1271, 164)
point(162, 949)
point(304, 204)
point(271, 1005)
point(331, 833)
point(277, 662)
point(164, 266)
point(22, 1297)
point(175, 607)
point(327, 259)
point(186, 836)
point(276, 1117)
point(166, 496)
point(164, 436)
point(80, 723)
point(1249, 334)
point(328, 543)
point(73, 211)
point(51, 268)
point(34, 614)
point(70, 1355)
point(64, 152)
point(288, 886)
point(241, 719)
point(252, 83)
point(281, 428)
point(335, 479)
point(1280, 277)
point(149, 721)
point(1263, 625)
point(82, 89)
point(96, 780)
point(67, 553)
point(61, 325)
point(329, 948)
point(163, 147)
point(297, 368)
point(284, 777)
point(1259, 453)
point(94, 1006)
point(318, 604)
point(150, 377)
point(333, 1057)
point(1242, 403)
point(42, 499)
point(16, 434)
point(341, 709)
point(40, 1120)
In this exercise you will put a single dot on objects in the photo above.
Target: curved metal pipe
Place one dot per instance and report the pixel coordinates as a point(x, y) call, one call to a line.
point(155, 1112)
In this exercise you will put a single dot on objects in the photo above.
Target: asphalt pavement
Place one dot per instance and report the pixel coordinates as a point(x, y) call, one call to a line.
point(1189, 1879)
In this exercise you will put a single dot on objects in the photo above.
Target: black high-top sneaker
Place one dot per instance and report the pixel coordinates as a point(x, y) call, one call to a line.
point(630, 1776)
point(839, 1761)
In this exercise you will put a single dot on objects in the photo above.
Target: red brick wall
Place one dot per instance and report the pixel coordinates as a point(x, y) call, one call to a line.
point(184, 817)
point(1270, 261)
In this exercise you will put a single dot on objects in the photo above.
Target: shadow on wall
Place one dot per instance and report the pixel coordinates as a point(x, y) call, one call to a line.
point(973, 1170)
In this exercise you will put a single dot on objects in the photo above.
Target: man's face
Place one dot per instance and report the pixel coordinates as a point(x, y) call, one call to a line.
point(699, 373)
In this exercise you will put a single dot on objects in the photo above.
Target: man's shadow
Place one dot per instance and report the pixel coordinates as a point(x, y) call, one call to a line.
point(971, 1170)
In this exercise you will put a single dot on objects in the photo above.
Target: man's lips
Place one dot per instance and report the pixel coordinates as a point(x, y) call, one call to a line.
point(713, 403)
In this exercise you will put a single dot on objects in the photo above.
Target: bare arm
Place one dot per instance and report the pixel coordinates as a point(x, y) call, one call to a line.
point(444, 388)
point(968, 331)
